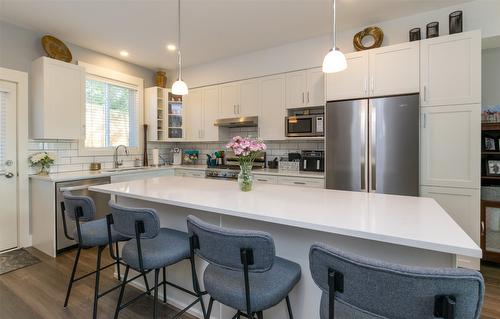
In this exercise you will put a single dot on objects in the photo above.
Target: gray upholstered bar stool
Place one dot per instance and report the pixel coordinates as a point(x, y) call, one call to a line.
point(153, 248)
point(243, 272)
point(89, 232)
point(359, 287)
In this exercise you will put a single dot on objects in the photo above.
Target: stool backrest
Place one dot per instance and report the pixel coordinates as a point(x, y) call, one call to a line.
point(125, 218)
point(388, 290)
point(85, 204)
point(222, 246)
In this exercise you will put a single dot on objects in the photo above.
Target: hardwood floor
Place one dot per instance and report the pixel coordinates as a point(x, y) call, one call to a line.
point(38, 291)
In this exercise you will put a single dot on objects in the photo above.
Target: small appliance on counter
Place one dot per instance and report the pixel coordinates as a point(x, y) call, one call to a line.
point(190, 157)
point(312, 161)
point(309, 122)
point(177, 156)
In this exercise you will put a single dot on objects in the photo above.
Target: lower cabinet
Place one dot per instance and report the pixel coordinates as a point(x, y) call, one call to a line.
point(190, 173)
point(141, 175)
point(267, 179)
point(463, 205)
point(302, 181)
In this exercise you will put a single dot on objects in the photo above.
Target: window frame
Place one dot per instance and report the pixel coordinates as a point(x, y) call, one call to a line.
point(114, 77)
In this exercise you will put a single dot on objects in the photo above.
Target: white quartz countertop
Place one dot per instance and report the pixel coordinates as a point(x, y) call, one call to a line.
point(409, 221)
point(71, 176)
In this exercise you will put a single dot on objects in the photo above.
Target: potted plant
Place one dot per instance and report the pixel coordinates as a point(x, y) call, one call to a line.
point(42, 160)
point(246, 150)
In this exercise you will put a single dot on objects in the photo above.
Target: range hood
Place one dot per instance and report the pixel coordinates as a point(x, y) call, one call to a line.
point(237, 121)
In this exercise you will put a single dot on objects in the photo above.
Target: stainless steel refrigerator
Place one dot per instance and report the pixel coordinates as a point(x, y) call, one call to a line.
point(372, 145)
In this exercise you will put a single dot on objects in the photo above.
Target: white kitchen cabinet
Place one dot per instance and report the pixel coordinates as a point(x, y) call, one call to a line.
point(193, 110)
point(211, 98)
point(57, 99)
point(301, 181)
point(305, 88)
point(229, 99)
point(141, 174)
point(351, 83)
point(450, 146)
point(272, 121)
point(395, 69)
point(451, 69)
point(249, 104)
point(266, 179)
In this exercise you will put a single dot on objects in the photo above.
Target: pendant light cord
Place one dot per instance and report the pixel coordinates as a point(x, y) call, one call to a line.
point(334, 35)
point(179, 58)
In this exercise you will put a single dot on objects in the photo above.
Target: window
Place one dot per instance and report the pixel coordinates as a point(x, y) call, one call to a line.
point(110, 114)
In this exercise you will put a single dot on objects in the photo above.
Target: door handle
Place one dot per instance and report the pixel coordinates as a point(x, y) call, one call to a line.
point(365, 85)
point(373, 148)
point(234, 108)
point(425, 93)
point(482, 228)
point(303, 98)
point(373, 84)
point(363, 186)
point(7, 174)
point(307, 96)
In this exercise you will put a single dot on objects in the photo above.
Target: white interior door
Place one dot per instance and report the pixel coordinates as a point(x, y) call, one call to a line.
point(8, 167)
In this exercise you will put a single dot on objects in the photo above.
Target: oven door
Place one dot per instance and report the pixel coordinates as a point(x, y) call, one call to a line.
point(300, 126)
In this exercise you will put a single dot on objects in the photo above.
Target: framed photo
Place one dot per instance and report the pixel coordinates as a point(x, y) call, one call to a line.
point(490, 144)
point(493, 168)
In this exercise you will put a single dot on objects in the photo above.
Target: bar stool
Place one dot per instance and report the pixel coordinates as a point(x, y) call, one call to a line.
point(243, 272)
point(358, 287)
point(154, 248)
point(89, 233)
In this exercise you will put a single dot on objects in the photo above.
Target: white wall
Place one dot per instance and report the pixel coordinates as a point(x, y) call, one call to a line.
point(481, 14)
point(491, 77)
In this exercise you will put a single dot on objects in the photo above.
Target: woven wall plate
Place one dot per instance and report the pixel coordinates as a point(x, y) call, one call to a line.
point(56, 49)
point(375, 32)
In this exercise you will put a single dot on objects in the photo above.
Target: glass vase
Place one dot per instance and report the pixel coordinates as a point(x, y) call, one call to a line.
point(44, 170)
point(245, 177)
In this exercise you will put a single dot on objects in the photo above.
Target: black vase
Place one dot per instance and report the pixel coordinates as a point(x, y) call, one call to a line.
point(432, 30)
point(456, 22)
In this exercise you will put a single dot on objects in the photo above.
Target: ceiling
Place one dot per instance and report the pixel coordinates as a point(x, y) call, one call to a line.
point(211, 29)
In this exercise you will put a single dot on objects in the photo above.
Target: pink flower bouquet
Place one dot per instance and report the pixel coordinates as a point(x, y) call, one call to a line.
point(246, 150)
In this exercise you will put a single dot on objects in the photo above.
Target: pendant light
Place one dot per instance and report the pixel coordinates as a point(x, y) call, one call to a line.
point(179, 87)
point(334, 60)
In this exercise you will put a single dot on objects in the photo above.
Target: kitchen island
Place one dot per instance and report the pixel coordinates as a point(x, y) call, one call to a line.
point(407, 230)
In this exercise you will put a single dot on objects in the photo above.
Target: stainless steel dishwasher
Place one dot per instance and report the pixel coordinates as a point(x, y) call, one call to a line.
point(79, 187)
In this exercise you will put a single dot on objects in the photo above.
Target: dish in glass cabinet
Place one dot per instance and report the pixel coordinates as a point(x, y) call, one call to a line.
point(56, 49)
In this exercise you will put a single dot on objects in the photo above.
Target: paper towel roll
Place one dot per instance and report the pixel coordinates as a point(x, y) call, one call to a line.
point(156, 157)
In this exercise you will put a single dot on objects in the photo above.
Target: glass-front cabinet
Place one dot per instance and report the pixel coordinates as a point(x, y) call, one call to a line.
point(164, 115)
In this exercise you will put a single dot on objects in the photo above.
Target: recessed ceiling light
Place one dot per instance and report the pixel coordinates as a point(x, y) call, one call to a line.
point(171, 47)
point(123, 53)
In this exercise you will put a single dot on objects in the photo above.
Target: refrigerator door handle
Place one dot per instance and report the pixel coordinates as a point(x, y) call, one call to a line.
point(373, 148)
point(364, 136)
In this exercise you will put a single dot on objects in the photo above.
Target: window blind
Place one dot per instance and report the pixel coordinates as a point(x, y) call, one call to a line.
point(3, 129)
point(110, 113)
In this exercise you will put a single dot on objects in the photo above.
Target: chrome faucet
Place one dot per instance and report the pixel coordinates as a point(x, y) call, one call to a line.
point(117, 163)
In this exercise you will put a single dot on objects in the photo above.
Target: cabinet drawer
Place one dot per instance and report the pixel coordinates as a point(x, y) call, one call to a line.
point(302, 181)
point(265, 179)
point(190, 173)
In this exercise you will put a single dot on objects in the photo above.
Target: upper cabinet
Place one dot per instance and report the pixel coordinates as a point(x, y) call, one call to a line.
point(57, 99)
point(229, 99)
point(272, 123)
point(164, 115)
point(193, 110)
point(305, 88)
point(249, 104)
point(351, 83)
point(388, 70)
point(451, 69)
point(394, 69)
point(211, 100)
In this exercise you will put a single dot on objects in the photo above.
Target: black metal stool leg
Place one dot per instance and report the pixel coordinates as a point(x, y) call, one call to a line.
point(164, 285)
point(122, 290)
point(118, 261)
point(209, 310)
point(155, 301)
point(289, 307)
point(146, 282)
point(97, 278)
point(70, 285)
point(260, 315)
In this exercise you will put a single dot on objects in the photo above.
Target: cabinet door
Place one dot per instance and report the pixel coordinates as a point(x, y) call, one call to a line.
point(193, 110)
point(229, 99)
point(64, 85)
point(249, 98)
point(296, 89)
point(210, 113)
point(351, 83)
point(315, 93)
point(272, 121)
point(395, 69)
point(450, 146)
point(451, 69)
point(462, 204)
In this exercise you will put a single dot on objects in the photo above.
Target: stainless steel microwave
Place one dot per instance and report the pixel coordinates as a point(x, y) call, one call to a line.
point(305, 125)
